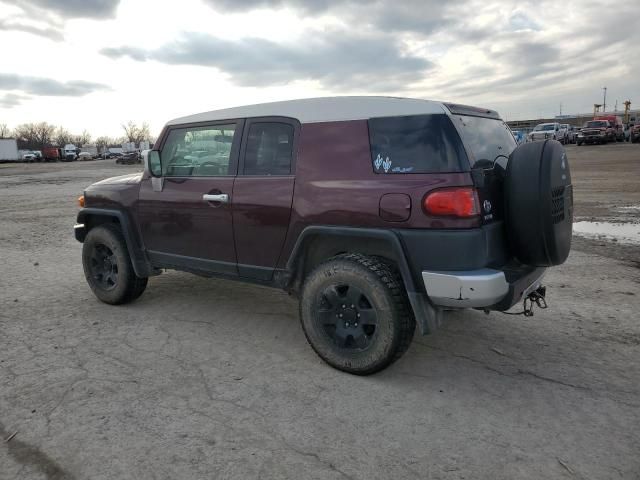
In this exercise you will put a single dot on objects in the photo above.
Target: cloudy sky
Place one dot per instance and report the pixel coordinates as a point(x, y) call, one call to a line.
point(95, 64)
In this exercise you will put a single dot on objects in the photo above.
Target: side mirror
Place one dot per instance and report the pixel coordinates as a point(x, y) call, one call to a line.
point(152, 164)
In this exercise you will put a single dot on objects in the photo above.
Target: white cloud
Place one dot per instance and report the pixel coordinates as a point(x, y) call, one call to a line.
point(520, 57)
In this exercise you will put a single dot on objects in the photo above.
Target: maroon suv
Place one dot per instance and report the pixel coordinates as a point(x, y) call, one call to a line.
point(376, 212)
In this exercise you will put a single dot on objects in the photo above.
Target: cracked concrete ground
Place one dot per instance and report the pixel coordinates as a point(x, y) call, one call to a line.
point(212, 379)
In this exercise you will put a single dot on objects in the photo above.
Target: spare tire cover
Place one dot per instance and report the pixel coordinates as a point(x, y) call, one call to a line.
point(539, 203)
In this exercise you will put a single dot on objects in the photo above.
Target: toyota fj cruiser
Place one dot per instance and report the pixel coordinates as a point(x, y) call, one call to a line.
point(376, 212)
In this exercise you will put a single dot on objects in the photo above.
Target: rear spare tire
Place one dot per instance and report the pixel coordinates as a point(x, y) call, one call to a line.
point(539, 203)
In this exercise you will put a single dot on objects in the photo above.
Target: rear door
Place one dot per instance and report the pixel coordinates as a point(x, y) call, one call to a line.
point(187, 221)
point(263, 194)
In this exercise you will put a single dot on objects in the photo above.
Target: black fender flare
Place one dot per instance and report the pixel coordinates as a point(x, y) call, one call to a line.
point(139, 260)
point(427, 315)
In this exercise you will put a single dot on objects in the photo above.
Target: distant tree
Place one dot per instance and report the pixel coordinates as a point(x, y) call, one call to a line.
point(44, 134)
point(136, 133)
point(104, 142)
point(34, 136)
point(5, 132)
point(62, 137)
point(82, 139)
point(26, 135)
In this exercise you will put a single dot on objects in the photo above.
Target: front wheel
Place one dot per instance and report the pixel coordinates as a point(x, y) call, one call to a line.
point(355, 313)
point(107, 266)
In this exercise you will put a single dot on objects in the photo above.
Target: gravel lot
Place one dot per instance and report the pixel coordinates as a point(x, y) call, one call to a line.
point(211, 379)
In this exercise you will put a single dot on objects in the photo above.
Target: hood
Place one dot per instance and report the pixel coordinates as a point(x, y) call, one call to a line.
point(130, 179)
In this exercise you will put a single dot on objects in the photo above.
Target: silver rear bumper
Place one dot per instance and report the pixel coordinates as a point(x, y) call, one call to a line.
point(471, 289)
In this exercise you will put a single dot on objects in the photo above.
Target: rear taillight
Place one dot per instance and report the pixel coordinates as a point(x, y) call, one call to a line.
point(454, 202)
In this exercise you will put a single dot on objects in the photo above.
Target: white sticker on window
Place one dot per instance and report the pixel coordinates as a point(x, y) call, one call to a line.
point(378, 162)
point(385, 163)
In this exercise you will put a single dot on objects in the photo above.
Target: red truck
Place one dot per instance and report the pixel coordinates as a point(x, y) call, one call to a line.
point(50, 154)
point(617, 133)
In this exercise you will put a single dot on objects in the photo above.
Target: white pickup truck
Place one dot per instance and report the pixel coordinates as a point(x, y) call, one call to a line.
point(544, 131)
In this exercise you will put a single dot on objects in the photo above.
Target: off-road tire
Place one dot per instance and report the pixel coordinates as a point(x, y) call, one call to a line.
point(382, 287)
point(128, 285)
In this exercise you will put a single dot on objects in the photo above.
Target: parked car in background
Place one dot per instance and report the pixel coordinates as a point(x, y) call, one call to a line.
point(29, 157)
point(572, 134)
point(50, 154)
point(545, 131)
point(128, 158)
point(595, 131)
point(563, 133)
point(402, 210)
point(520, 136)
point(616, 133)
point(634, 133)
point(91, 149)
point(70, 152)
point(85, 156)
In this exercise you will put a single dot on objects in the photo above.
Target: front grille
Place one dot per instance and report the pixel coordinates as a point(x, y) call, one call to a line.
point(557, 205)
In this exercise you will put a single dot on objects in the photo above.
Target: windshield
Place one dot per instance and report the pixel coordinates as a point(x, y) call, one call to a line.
point(597, 124)
point(485, 138)
point(544, 127)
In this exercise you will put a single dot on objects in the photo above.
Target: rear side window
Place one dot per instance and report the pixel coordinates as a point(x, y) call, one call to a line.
point(487, 139)
point(415, 144)
point(269, 149)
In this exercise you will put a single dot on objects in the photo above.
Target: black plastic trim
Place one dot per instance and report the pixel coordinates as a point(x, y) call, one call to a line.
point(355, 233)
point(427, 315)
point(139, 260)
point(451, 250)
point(191, 264)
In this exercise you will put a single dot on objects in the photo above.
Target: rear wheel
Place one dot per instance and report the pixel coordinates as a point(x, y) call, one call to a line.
point(107, 266)
point(355, 313)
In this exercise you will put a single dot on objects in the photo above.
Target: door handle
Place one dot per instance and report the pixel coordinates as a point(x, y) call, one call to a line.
point(220, 198)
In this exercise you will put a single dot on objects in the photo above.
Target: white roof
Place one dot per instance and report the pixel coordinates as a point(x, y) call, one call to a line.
point(325, 109)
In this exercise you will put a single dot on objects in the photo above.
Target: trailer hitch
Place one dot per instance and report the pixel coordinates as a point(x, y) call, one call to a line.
point(536, 297)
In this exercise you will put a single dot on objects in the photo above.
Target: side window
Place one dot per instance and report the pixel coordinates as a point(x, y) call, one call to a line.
point(415, 144)
point(198, 151)
point(269, 149)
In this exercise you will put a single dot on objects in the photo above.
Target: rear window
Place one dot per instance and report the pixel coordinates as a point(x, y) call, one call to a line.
point(486, 139)
point(415, 144)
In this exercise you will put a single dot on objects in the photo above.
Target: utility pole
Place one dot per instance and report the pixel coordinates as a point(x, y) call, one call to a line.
point(560, 108)
point(604, 103)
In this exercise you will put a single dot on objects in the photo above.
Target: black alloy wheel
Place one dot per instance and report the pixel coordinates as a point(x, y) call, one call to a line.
point(355, 313)
point(104, 267)
point(107, 266)
point(346, 316)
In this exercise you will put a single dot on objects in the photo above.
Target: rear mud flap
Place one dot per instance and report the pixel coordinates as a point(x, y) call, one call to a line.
point(428, 317)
